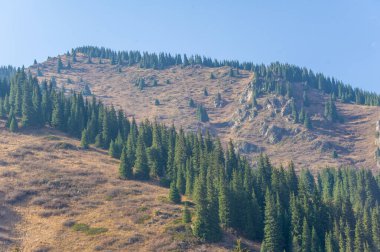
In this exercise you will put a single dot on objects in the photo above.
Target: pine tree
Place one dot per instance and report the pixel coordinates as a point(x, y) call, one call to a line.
point(200, 227)
point(174, 195)
point(301, 116)
point(359, 239)
point(315, 245)
point(141, 165)
point(224, 202)
point(27, 107)
point(13, 127)
point(307, 122)
point(205, 92)
point(306, 239)
point(84, 140)
point(125, 168)
point(202, 114)
point(186, 215)
point(272, 234)
point(375, 219)
point(191, 103)
point(329, 245)
point(294, 112)
point(330, 111)
point(112, 151)
point(59, 65)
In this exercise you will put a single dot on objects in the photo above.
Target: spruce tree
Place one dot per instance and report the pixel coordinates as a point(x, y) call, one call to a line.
point(186, 215)
point(307, 122)
point(112, 151)
point(200, 226)
point(141, 165)
point(174, 195)
point(59, 65)
point(272, 234)
point(13, 127)
point(359, 236)
point(315, 245)
point(27, 107)
point(84, 140)
point(125, 167)
point(306, 239)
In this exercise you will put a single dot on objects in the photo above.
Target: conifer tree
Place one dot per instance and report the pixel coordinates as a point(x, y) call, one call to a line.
point(315, 246)
point(13, 127)
point(294, 112)
point(59, 65)
point(125, 168)
point(191, 103)
point(27, 107)
point(330, 111)
point(329, 245)
point(205, 92)
point(141, 165)
point(272, 235)
point(359, 239)
point(200, 227)
point(112, 151)
point(307, 122)
point(84, 140)
point(174, 195)
point(186, 215)
point(306, 239)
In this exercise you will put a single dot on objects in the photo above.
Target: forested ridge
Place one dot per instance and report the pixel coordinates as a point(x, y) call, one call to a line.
point(273, 76)
point(333, 210)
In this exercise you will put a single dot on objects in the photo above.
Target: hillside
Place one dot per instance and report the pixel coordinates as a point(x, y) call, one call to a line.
point(268, 129)
point(50, 187)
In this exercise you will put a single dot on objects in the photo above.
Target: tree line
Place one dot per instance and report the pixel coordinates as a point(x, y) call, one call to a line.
point(274, 74)
point(335, 210)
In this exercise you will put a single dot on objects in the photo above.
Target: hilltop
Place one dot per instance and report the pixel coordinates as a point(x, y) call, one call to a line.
point(268, 128)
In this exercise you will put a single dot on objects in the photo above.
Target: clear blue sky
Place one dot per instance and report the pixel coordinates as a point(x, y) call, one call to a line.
point(338, 38)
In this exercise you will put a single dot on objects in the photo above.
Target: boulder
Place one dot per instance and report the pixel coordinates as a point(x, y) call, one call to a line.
point(246, 147)
point(274, 134)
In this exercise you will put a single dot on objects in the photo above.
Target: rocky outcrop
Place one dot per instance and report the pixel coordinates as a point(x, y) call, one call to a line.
point(287, 108)
point(274, 134)
point(246, 148)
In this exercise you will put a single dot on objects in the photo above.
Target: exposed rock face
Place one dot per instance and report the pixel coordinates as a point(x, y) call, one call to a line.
point(274, 134)
point(287, 108)
point(246, 147)
point(323, 146)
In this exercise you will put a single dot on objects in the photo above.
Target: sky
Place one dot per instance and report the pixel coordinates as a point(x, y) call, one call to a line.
point(338, 38)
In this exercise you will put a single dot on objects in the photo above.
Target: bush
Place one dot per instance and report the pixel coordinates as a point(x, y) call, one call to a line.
point(80, 227)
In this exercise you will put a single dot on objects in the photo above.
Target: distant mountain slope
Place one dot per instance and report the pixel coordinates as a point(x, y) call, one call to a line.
point(266, 127)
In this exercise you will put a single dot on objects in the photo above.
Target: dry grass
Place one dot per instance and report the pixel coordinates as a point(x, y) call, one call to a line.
point(353, 140)
point(55, 199)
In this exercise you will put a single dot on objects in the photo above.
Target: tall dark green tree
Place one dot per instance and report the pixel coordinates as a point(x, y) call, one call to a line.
point(141, 165)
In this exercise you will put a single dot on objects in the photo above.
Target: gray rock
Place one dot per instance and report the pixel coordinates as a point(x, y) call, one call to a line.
point(246, 147)
point(275, 134)
point(287, 108)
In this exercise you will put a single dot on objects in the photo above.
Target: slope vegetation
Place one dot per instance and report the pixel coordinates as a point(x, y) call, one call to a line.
point(268, 129)
point(55, 196)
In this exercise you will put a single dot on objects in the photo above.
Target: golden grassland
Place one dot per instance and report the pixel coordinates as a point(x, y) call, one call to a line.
point(353, 140)
point(55, 196)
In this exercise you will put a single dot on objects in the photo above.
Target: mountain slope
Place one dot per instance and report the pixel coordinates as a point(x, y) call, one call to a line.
point(50, 189)
point(269, 128)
